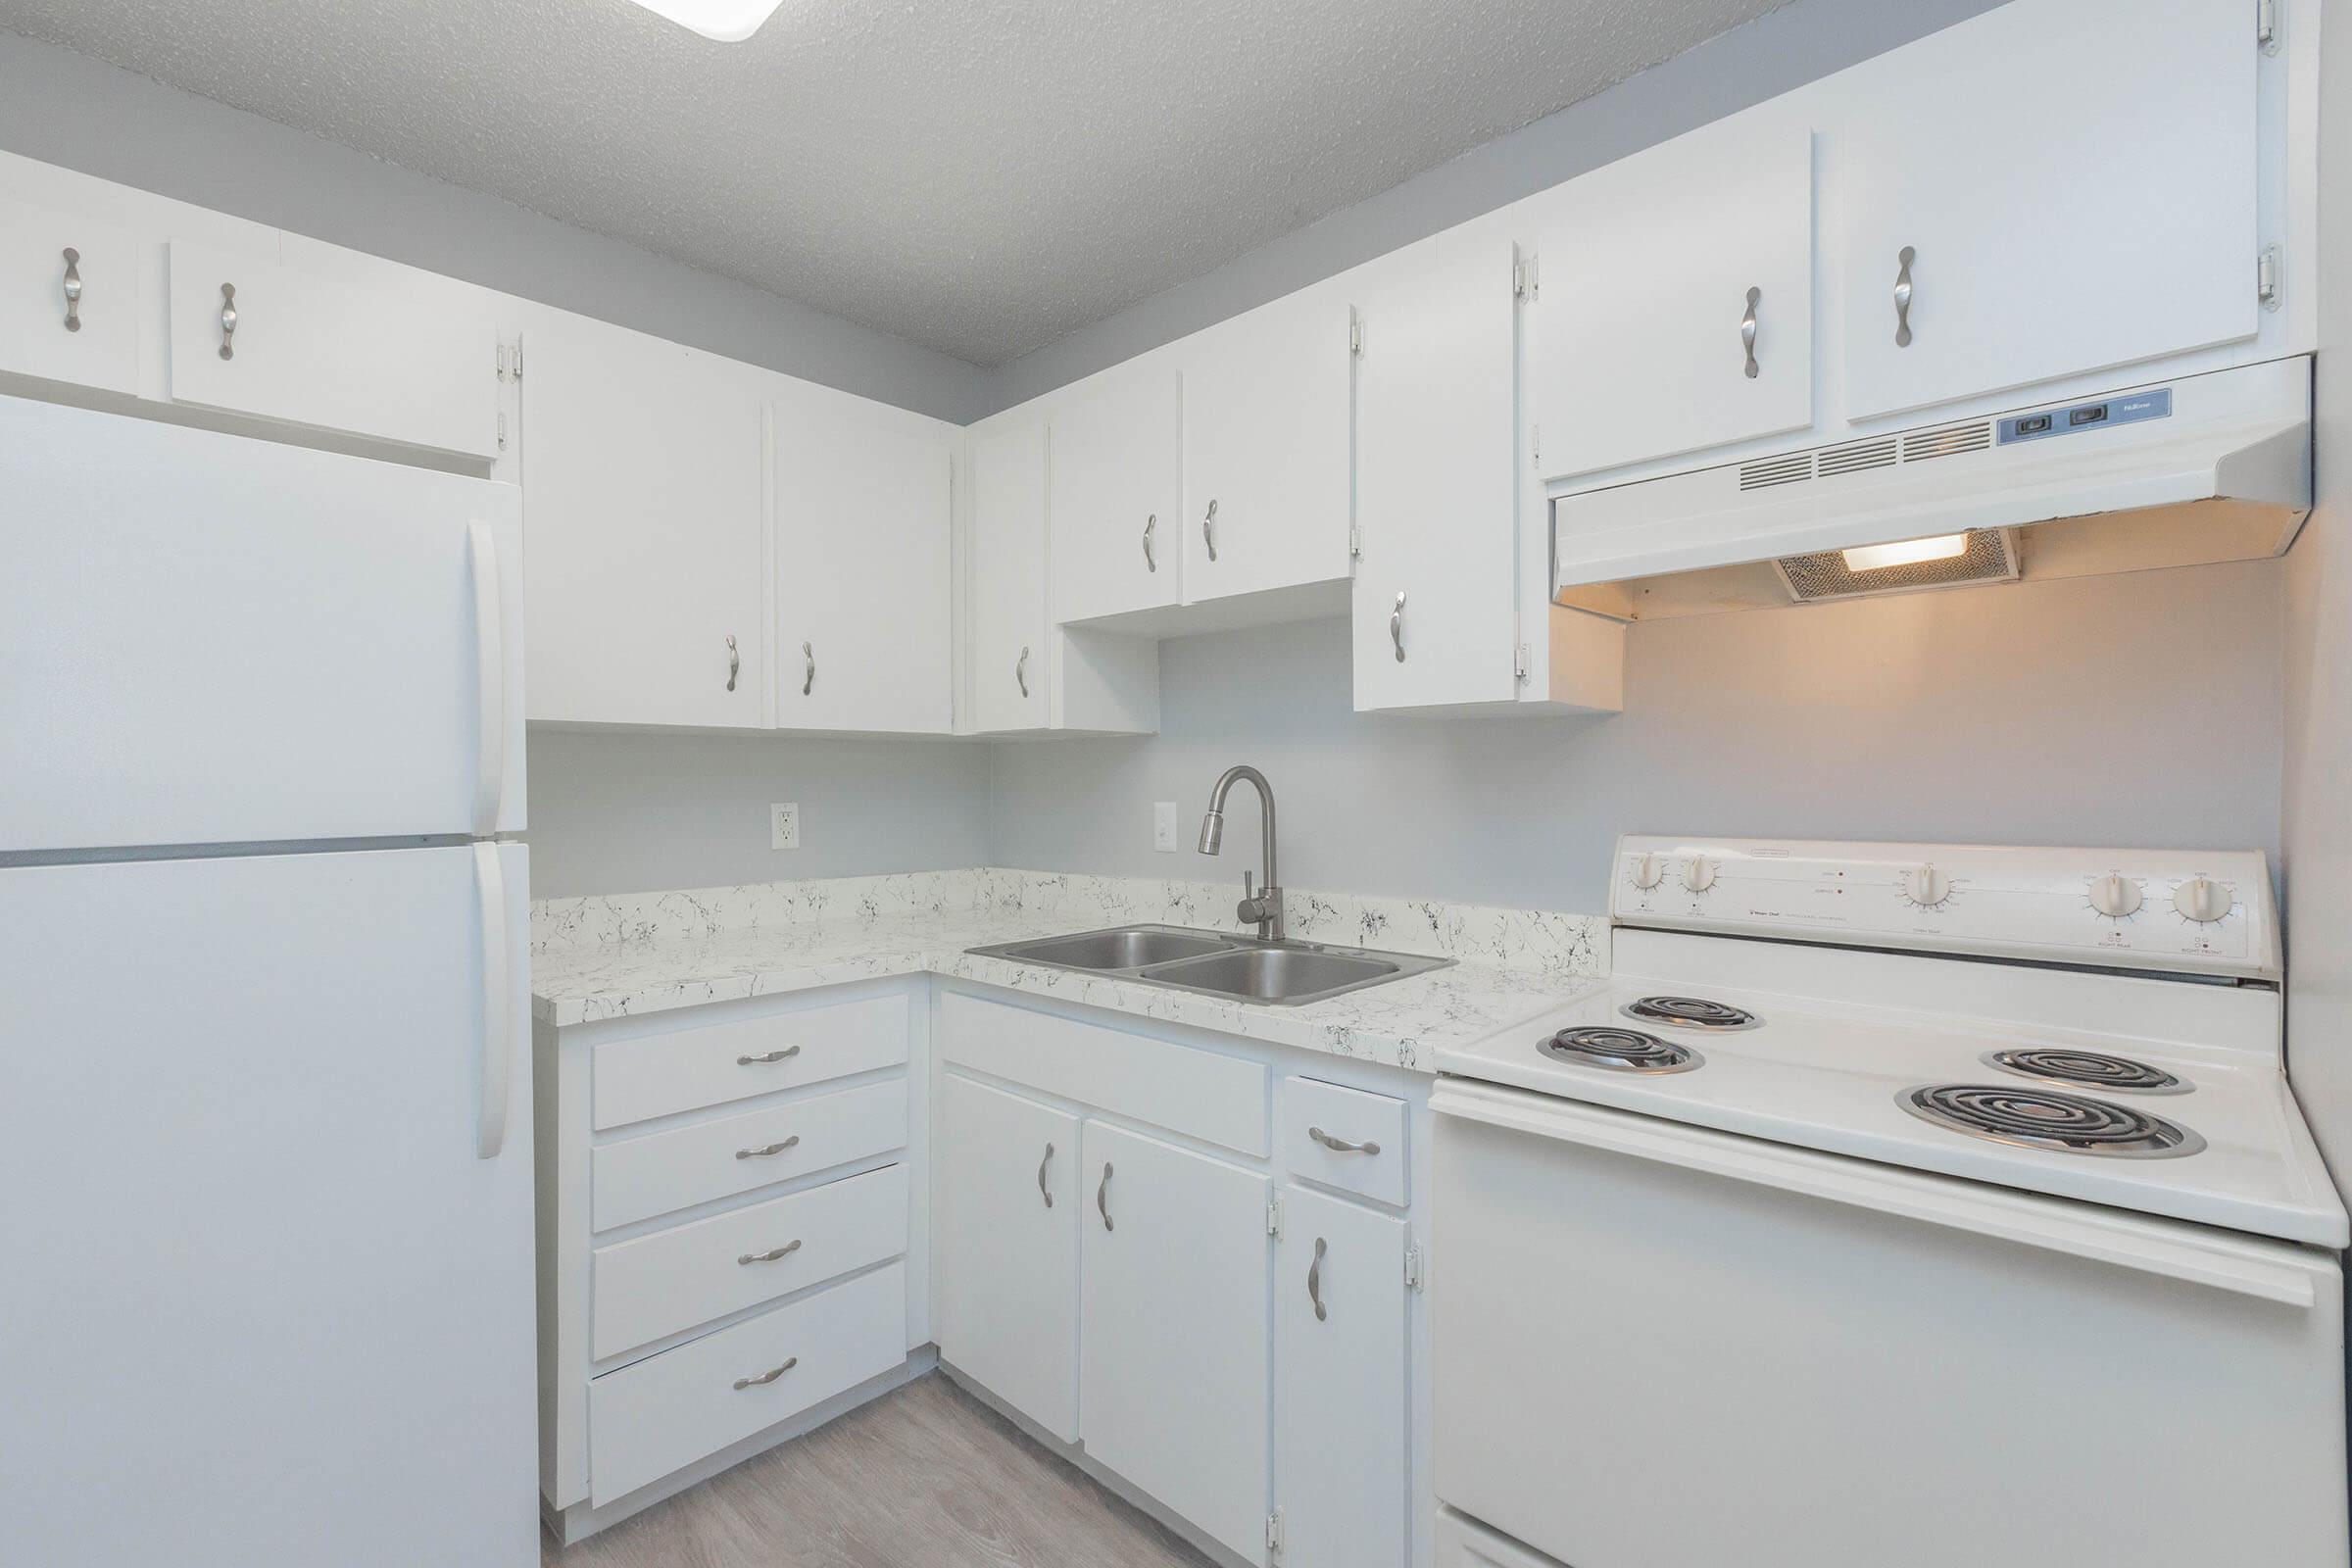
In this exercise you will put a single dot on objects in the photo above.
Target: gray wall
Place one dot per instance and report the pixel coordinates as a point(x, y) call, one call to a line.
point(1802, 42)
point(68, 108)
point(2045, 712)
point(629, 813)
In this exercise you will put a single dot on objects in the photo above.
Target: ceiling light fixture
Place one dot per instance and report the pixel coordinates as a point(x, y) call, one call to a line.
point(726, 20)
point(1910, 553)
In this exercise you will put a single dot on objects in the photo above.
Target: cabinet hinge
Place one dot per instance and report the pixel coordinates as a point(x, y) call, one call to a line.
point(2266, 278)
point(1534, 446)
point(502, 362)
point(1355, 334)
point(1416, 1268)
point(1356, 541)
point(2265, 26)
point(1519, 663)
point(502, 432)
point(1524, 282)
point(1274, 1534)
point(516, 360)
point(1274, 1217)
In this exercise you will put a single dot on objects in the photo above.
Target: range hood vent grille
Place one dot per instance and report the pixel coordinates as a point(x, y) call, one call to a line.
point(1768, 471)
point(1990, 557)
point(1856, 456)
point(1949, 442)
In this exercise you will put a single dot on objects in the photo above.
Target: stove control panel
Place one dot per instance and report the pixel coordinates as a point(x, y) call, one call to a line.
point(2176, 911)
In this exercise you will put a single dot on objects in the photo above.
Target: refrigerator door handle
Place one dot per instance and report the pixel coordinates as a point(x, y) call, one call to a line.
point(490, 1121)
point(490, 662)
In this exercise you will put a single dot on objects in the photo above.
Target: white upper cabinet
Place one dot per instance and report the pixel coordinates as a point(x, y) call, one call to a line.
point(1435, 621)
point(1117, 498)
point(289, 341)
point(1009, 639)
point(69, 299)
point(1267, 448)
point(2046, 192)
point(864, 530)
point(642, 511)
point(1674, 300)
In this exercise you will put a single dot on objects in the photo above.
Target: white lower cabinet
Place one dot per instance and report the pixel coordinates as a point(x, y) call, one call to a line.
point(1341, 1400)
point(1174, 1381)
point(1008, 1246)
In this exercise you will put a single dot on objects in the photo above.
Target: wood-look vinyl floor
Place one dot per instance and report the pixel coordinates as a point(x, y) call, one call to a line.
point(924, 1477)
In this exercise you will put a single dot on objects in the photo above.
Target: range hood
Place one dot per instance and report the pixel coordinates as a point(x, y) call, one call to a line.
point(2202, 468)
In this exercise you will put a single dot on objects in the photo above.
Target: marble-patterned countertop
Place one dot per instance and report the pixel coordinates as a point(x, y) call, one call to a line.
point(608, 958)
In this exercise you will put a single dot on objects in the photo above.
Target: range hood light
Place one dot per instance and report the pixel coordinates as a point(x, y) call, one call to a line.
point(723, 21)
point(1910, 553)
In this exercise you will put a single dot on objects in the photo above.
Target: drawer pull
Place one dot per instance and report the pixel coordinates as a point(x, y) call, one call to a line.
point(770, 1375)
point(1341, 1145)
point(772, 1253)
point(1315, 1281)
point(1041, 1176)
point(786, 1055)
point(771, 1149)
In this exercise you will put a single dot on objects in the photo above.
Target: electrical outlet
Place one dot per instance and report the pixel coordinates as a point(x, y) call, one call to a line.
point(784, 826)
point(1163, 826)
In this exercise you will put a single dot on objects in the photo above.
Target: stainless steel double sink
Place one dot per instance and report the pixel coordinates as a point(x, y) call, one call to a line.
point(1214, 964)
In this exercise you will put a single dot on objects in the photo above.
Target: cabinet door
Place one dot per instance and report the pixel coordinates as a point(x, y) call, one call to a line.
point(1266, 427)
point(1639, 347)
point(1173, 1343)
point(2075, 187)
point(863, 498)
point(641, 494)
point(69, 299)
point(1435, 616)
point(1118, 491)
point(418, 368)
point(1341, 1387)
point(1008, 1241)
point(1008, 651)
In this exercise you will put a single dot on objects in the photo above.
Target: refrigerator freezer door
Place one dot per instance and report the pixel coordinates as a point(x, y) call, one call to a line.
point(265, 1300)
point(207, 639)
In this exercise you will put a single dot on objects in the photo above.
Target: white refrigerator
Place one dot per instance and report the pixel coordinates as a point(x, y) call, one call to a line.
point(266, 1169)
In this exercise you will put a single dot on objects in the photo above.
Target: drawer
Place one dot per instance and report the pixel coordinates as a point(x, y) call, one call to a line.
point(671, 1280)
point(1217, 1098)
point(661, 1172)
point(664, 1412)
point(685, 1069)
point(1316, 1115)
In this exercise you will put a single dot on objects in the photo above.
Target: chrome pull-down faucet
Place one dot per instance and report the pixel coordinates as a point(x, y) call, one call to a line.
point(1260, 907)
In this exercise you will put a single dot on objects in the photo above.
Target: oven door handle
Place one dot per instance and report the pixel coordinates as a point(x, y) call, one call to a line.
point(2245, 1267)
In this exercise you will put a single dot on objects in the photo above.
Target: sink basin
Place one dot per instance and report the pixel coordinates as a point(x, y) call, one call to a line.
point(1210, 963)
point(1128, 948)
point(1275, 974)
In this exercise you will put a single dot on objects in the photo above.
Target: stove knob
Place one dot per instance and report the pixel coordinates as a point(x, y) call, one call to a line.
point(1926, 885)
point(2203, 899)
point(1649, 871)
point(2114, 895)
point(1699, 874)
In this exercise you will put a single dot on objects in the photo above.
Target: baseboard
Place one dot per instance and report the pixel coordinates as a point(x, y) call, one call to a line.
point(580, 1521)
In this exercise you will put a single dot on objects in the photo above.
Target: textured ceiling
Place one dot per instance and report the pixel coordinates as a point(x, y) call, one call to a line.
point(977, 176)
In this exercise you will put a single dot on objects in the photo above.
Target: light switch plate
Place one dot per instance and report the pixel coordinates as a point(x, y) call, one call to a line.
point(1163, 826)
point(784, 825)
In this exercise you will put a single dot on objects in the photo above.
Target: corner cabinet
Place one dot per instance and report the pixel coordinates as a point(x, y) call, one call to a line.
point(644, 530)
point(1008, 652)
point(1117, 495)
point(865, 524)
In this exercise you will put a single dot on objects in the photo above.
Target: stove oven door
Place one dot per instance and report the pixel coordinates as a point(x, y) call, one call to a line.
point(1659, 1345)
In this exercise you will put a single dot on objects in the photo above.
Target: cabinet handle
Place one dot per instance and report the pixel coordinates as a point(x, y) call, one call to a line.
point(1315, 1281)
point(734, 662)
point(1021, 672)
point(1041, 1176)
point(772, 1253)
point(771, 1149)
point(73, 289)
point(1341, 1145)
point(808, 678)
point(1397, 627)
point(1208, 530)
point(1902, 298)
point(1747, 330)
point(785, 1055)
point(1150, 527)
point(1103, 1198)
point(229, 320)
point(769, 1376)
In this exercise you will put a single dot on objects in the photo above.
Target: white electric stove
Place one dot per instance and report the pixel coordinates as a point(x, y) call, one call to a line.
point(1884, 1186)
